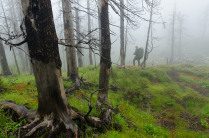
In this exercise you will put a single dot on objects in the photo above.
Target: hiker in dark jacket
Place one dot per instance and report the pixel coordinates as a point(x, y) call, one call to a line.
point(139, 53)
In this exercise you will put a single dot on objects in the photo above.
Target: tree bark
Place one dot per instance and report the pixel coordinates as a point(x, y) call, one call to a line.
point(3, 61)
point(43, 48)
point(89, 30)
point(122, 44)
point(105, 62)
point(79, 50)
point(69, 36)
point(148, 35)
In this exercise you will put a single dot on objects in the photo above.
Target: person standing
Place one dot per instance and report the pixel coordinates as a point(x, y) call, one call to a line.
point(139, 53)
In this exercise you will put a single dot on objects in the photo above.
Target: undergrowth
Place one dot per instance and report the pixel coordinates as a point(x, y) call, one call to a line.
point(162, 101)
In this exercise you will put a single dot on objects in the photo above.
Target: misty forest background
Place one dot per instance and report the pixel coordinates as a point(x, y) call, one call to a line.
point(106, 96)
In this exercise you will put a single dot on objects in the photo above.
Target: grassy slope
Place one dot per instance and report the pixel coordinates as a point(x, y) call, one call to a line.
point(161, 101)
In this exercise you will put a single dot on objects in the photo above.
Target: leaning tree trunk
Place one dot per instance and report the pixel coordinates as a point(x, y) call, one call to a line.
point(122, 44)
point(43, 48)
point(89, 31)
point(79, 50)
point(105, 63)
point(148, 36)
point(69, 36)
point(3, 61)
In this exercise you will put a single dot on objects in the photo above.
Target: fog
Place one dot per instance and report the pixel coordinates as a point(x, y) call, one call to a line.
point(195, 30)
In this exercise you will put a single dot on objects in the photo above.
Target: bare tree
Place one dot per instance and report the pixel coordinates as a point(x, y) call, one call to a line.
point(43, 48)
point(122, 32)
point(78, 35)
point(8, 28)
point(181, 27)
point(99, 23)
point(173, 36)
point(148, 34)
point(69, 38)
point(89, 30)
point(3, 61)
point(105, 63)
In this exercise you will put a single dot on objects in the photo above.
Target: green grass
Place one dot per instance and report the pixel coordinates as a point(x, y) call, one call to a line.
point(150, 95)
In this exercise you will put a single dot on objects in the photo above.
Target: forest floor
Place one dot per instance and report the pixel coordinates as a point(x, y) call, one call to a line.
point(161, 101)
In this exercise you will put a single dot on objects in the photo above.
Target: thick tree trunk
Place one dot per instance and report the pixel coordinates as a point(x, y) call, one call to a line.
point(79, 51)
point(105, 63)
point(69, 36)
point(122, 43)
point(148, 36)
point(44, 53)
point(89, 30)
point(3, 61)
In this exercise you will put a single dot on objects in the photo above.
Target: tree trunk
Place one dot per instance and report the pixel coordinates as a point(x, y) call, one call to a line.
point(79, 50)
point(43, 48)
point(3, 61)
point(173, 37)
point(69, 36)
point(89, 30)
point(99, 24)
point(122, 44)
point(148, 35)
point(16, 63)
point(105, 63)
point(28, 60)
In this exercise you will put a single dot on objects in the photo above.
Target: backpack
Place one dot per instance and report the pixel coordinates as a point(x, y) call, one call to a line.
point(140, 53)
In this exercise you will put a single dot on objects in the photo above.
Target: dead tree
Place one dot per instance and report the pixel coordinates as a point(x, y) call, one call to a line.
point(8, 28)
point(43, 48)
point(78, 35)
point(105, 62)
point(173, 36)
point(122, 32)
point(181, 27)
point(89, 30)
point(99, 23)
point(69, 38)
point(3, 61)
point(148, 34)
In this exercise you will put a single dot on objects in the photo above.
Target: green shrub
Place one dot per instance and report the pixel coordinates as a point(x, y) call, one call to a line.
point(204, 124)
point(152, 130)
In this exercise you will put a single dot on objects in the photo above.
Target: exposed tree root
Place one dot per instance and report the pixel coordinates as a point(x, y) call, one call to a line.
point(20, 110)
point(52, 127)
point(84, 83)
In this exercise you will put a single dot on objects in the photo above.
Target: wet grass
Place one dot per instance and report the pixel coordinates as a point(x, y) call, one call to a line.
point(154, 100)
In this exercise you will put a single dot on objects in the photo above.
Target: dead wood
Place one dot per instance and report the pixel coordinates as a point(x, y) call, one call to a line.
point(49, 124)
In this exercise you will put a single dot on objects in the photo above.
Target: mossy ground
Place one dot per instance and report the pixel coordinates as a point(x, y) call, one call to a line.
point(162, 101)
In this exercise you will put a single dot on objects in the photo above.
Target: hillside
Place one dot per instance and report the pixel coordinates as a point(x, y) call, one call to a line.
point(161, 101)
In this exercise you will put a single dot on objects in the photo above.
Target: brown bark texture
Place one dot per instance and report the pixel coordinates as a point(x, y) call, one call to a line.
point(105, 63)
point(43, 49)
